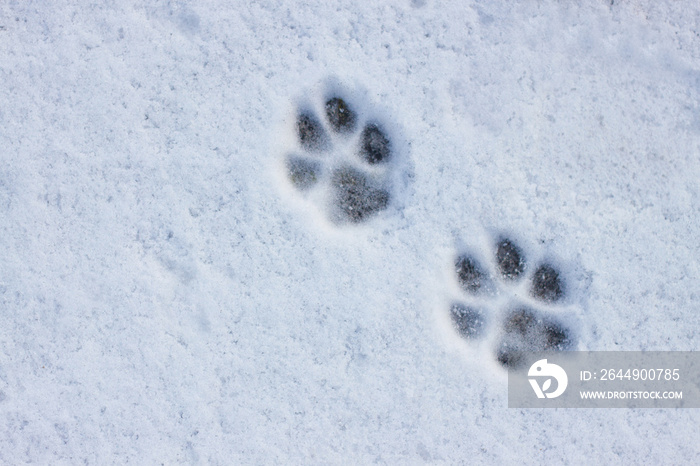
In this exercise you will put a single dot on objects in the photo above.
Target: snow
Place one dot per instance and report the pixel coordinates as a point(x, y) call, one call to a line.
point(168, 297)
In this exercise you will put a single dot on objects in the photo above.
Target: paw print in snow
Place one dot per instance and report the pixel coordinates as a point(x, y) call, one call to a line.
point(494, 287)
point(345, 162)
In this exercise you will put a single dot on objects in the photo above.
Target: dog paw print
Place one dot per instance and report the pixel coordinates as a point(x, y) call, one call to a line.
point(344, 161)
point(510, 302)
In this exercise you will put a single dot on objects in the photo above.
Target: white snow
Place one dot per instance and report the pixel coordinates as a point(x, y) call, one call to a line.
point(166, 298)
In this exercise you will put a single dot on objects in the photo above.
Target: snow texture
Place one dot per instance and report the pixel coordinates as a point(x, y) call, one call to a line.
point(168, 293)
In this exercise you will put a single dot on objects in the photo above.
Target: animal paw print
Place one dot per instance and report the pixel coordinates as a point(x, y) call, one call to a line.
point(506, 281)
point(344, 162)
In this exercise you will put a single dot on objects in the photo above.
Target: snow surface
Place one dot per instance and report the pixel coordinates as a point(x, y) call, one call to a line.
point(166, 297)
